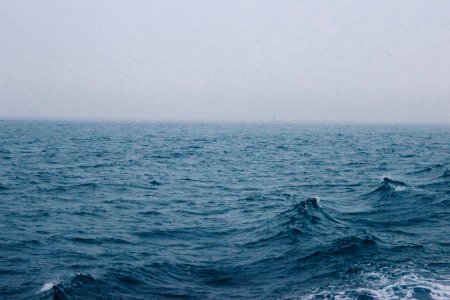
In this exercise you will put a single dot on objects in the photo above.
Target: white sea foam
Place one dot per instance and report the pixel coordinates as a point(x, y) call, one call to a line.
point(409, 286)
point(47, 286)
point(399, 188)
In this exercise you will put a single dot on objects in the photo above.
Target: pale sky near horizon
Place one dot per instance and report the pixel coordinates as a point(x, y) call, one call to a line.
point(203, 60)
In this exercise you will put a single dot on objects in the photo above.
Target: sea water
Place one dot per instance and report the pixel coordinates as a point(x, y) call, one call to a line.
point(223, 211)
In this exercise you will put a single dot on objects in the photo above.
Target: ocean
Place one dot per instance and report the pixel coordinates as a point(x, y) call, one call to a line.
point(98, 210)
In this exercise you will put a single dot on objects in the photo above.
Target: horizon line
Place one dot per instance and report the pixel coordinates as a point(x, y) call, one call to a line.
point(222, 121)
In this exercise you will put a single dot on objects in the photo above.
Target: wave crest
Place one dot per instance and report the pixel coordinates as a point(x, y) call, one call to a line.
point(390, 186)
point(306, 215)
point(79, 285)
point(303, 219)
point(393, 184)
point(380, 286)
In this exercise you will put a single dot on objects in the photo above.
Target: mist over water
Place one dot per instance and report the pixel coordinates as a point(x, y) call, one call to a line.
point(209, 211)
point(246, 60)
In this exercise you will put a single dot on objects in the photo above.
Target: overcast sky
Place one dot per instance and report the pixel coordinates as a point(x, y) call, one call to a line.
point(295, 61)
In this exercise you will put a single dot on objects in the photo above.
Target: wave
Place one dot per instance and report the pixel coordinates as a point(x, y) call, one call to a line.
point(430, 168)
point(47, 286)
point(392, 185)
point(433, 176)
point(150, 213)
point(70, 187)
point(395, 203)
point(307, 209)
point(79, 286)
point(446, 174)
point(132, 282)
point(303, 219)
point(340, 250)
point(384, 194)
point(96, 165)
point(99, 241)
point(350, 244)
point(377, 285)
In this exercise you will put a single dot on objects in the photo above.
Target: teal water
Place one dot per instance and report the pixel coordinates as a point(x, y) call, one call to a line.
point(210, 211)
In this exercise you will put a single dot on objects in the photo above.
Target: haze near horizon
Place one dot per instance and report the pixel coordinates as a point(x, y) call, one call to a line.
point(293, 61)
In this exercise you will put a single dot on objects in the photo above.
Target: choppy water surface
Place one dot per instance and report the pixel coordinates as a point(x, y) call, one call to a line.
point(139, 211)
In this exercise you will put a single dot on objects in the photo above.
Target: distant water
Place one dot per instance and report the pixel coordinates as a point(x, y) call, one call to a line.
point(156, 211)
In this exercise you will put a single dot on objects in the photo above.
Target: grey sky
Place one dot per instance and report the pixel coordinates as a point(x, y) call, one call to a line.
point(345, 61)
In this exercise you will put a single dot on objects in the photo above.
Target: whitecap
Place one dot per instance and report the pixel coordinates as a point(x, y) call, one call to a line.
point(47, 286)
point(404, 287)
point(399, 188)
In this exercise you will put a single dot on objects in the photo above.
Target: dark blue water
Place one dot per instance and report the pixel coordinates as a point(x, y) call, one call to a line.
point(142, 211)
